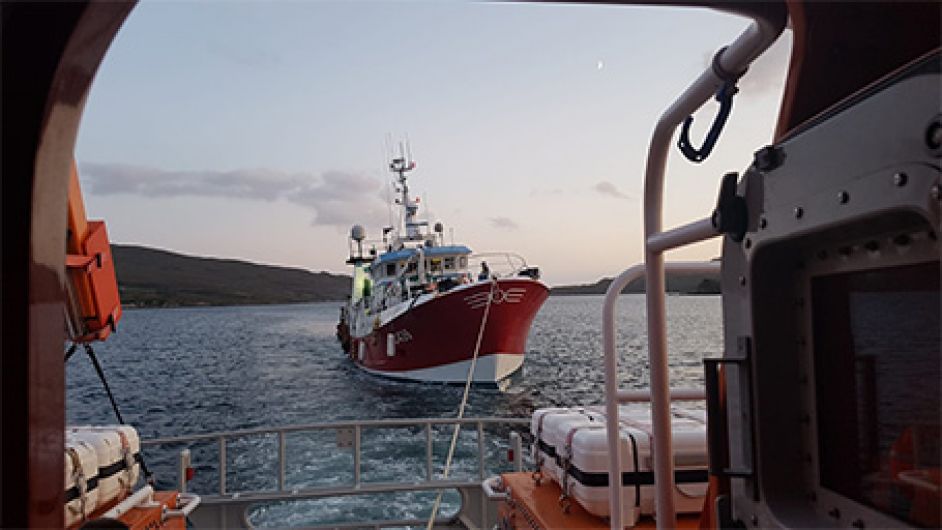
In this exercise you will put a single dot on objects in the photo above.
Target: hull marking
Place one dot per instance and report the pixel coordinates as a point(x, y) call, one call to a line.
point(513, 295)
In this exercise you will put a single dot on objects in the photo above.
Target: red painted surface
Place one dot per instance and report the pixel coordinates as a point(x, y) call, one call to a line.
point(50, 54)
point(445, 330)
point(533, 505)
point(95, 284)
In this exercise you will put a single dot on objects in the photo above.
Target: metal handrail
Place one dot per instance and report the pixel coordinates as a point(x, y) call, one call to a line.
point(387, 422)
point(614, 395)
point(734, 59)
point(379, 524)
point(357, 426)
point(508, 257)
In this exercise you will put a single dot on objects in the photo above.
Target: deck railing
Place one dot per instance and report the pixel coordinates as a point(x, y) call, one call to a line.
point(349, 435)
point(502, 264)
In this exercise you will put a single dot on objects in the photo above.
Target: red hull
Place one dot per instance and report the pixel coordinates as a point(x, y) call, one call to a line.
point(443, 331)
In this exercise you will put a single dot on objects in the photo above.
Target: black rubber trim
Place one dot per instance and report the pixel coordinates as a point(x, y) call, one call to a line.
point(640, 478)
point(721, 72)
point(115, 468)
point(103, 473)
point(628, 478)
point(634, 454)
point(73, 493)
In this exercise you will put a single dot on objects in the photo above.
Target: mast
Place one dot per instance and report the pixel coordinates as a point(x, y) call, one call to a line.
point(400, 166)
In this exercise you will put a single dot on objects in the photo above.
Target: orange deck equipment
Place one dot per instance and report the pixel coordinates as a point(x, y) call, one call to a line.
point(93, 304)
point(144, 517)
point(532, 506)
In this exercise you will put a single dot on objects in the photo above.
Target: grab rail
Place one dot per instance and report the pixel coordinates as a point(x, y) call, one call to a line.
point(677, 394)
point(352, 427)
point(731, 60)
point(515, 262)
point(614, 396)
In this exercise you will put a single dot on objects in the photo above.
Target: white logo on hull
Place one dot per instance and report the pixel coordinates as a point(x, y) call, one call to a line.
point(403, 335)
point(514, 295)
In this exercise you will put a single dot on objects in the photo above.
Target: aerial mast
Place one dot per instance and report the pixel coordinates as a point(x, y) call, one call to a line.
point(400, 166)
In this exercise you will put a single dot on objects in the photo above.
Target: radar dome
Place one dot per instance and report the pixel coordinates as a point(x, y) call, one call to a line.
point(357, 233)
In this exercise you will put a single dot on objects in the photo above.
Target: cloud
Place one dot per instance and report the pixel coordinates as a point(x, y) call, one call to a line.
point(337, 198)
point(768, 71)
point(342, 198)
point(607, 188)
point(504, 223)
point(264, 184)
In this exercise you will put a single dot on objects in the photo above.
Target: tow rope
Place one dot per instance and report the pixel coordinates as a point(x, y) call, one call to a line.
point(148, 476)
point(464, 402)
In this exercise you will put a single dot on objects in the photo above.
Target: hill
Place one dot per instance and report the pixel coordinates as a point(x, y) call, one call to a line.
point(685, 284)
point(149, 277)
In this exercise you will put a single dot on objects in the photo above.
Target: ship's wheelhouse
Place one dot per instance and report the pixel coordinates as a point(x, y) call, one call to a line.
point(409, 264)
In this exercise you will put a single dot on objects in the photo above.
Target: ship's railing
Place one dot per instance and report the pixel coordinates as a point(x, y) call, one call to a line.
point(501, 264)
point(407, 286)
point(728, 63)
point(230, 508)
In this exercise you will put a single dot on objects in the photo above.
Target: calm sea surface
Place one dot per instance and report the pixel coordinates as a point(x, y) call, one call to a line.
point(195, 370)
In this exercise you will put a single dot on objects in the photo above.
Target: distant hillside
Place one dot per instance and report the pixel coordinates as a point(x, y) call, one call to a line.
point(675, 284)
point(149, 277)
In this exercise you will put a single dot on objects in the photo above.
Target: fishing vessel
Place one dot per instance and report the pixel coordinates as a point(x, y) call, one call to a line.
point(822, 412)
point(422, 309)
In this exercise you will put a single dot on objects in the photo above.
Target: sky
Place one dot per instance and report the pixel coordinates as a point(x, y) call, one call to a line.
point(259, 130)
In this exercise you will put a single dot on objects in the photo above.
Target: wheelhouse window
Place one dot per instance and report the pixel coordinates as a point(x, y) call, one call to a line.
point(877, 377)
point(449, 263)
point(391, 269)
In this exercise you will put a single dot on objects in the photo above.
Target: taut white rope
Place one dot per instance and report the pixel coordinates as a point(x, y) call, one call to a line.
point(464, 402)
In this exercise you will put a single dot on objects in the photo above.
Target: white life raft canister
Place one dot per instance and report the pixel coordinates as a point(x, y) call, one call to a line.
point(117, 448)
point(571, 447)
point(81, 478)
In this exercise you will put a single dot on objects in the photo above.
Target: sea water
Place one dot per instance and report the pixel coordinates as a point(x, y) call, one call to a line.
point(196, 370)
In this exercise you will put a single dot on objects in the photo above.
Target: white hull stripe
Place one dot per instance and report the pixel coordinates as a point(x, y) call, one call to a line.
point(490, 368)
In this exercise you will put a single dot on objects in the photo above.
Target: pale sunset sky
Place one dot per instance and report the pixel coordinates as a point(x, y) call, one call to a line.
point(257, 130)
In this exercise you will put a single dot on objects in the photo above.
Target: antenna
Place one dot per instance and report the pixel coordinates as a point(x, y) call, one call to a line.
point(389, 208)
point(389, 201)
